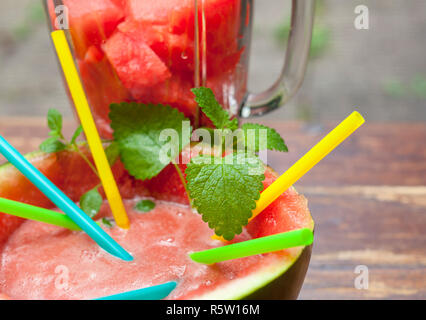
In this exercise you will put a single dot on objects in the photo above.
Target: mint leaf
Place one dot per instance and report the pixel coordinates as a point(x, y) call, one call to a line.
point(55, 134)
point(145, 148)
point(107, 222)
point(54, 120)
point(112, 152)
point(212, 109)
point(91, 202)
point(52, 144)
point(273, 138)
point(225, 189)
point(145, 205)
point(76, 134)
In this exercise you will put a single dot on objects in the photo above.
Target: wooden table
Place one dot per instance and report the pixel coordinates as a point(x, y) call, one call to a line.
point(368, 199)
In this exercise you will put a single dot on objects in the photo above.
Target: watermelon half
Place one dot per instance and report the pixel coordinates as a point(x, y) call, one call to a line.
point(281, 274)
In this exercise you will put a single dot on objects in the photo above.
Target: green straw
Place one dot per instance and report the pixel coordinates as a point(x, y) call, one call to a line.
point(30, 212)
point(276, 242)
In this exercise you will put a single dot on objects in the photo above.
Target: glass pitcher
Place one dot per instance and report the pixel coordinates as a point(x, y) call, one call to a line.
point(155, 51)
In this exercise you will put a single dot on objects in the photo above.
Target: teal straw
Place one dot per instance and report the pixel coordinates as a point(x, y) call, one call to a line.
point(151, 293)
point(63, 202)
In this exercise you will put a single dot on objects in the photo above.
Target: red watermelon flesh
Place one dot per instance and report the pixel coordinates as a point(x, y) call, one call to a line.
point(92, 22)
point(120, 3)
point(102, 87)
point(149, 51)
point(175, 50)
point(175, 92)
point(136, 64)
point(173, 13)
point(160, 241)
point(174, 23)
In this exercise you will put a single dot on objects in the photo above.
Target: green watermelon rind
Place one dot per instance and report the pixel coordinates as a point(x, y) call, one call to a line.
point(270, 282)
point(256, 282)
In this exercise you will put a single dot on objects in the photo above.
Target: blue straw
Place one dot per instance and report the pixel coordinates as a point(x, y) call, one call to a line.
point(151, 293)
point(62, 201)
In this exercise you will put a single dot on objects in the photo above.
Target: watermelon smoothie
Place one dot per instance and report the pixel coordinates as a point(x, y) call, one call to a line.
point(155, 51)
point(40, 261)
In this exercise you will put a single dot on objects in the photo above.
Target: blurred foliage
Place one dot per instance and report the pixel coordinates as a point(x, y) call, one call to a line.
point(394, 88)
point(34, 15)
point(416, 88)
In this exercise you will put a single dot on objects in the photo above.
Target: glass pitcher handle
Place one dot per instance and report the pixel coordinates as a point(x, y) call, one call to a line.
point(297, 55)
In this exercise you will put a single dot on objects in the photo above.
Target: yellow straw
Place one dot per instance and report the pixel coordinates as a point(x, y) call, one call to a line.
point(92, 135)
point(306, 163)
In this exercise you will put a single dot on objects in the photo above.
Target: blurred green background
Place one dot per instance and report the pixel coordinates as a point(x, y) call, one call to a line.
point(380, 71)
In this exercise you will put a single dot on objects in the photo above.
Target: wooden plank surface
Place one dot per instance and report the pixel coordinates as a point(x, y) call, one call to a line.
point(368, 200)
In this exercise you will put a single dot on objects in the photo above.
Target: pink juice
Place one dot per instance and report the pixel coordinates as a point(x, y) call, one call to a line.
point(41, 261)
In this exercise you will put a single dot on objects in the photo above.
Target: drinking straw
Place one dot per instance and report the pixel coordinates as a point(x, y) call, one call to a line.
point(308, 161)
point(62, 201)
point(30, 212)
point(276, 242)
point(151, 293)
point(89, 127)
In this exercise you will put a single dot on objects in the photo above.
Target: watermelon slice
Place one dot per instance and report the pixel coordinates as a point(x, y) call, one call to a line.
point(269, 276)
point(92, 22)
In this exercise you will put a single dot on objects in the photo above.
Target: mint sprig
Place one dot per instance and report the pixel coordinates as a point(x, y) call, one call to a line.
point(225, 189)
point(222, 189)
point(112, 152)
point(145, 205)
point(54, 121)
point(107, 222)
point(76, 134)
point(139, 131)
point(52, 144)
point(273, 140)
point(222, 120)
point(91, 202)
point(56, 141)
point(213, 110)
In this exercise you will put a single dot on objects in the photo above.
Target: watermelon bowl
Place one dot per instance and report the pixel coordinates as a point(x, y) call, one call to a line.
point(39, 261)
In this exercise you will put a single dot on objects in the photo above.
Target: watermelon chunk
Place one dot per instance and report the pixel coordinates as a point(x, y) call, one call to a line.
point(144, 51)
point(137, 66)
point(102, 87)
point(169, 29)
point(173, 13)
point(175, 50)
point(120, 3)
point(175, 92)
point(92, 22)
